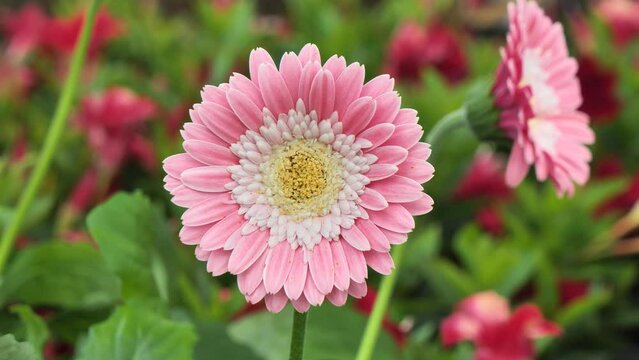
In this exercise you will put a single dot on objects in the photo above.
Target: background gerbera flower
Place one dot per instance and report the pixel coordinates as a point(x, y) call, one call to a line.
point(539, 94)
point(299, 178)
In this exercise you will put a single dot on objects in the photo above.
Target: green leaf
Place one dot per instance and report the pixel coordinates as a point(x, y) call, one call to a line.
point(131, 234)
point(214, 342)
point(137, 332)
point(37, 332)
point(330, 330)
point(449, 281)
point(60, 274)
point(11, 349)
point(583, 307)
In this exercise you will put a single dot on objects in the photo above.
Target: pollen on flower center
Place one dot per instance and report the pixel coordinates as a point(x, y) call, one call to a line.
point(303, 178)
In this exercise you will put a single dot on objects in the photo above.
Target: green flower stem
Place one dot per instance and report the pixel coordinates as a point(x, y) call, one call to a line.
point(297, 335)
point(56, 129)
point(448, 123)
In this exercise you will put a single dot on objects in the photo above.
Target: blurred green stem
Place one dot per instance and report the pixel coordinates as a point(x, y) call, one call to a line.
point(448, 123)
point(297, 335)
point(56, 129)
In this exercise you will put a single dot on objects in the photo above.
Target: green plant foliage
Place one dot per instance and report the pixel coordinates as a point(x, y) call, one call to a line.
point(35, 328)
point(11, 349)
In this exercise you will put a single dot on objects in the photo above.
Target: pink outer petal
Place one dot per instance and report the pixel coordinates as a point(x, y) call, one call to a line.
point(275, 303)
point(398, 189)
point(356, 263)
point(348, 86)
point(420, 151)
point(311, 293)
point(301, 304)
point(321, 97)
point(416, 169)
point(381, 262)
point(218, 262)
point(358, 114)
point(278, 266)
point(174, 165)
point(258, 57)
point(357, 290)
point(421, 206)
point(214, 94)
point(209, 211)
point(250, 279)
point(387, 108)
point(209, 153)
point(395, 238)
point(406, 135)
point(201, 254)
point(244, 85)
point(291, 70)
point(248, 113)
point(186, 197)
point(306, 80)
point(337, 297)
point(170, 183)
point(378, 134)
point(221, 121)
point(207, 178)
point(378, 86)
point(309, 53)
point(257, 295)
point(394, 155)
point(321, 267)
point(249, 248)
point(340, 265)
point(192, 235)
point(381, 171)
point(517, 167)
point(406, 116)
point(193, 131)
point(296, 280)
point(356, 238)
point(375, 236)
point(335, 64)
point(395, 218)
point(373, 200)
point(274, 91)
point(217, 235)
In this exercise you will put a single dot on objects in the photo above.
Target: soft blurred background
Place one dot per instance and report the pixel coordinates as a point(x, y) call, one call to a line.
point(574, 258)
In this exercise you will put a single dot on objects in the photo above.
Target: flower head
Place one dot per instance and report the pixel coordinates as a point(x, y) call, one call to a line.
point(538, 91)
point(299, 178)
point(485, 319)
point(621, 16)
point(112, 122)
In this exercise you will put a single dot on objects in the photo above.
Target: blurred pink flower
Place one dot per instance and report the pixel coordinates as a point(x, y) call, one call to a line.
point(414, 48)
point(113, 121)
point(538, 91)
point(598, 88)
point(84, 192)
point(17, 79)
point(623, 18)
point(296, 179)
point(62, 33)
point(490, 220)
point(485, 319)
point(23, 30)
point(484, 178)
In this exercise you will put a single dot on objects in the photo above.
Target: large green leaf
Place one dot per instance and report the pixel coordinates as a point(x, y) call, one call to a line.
point(11, 349)
point(332, 333)
point(35, 328)
point(60, 274)
point(214, 342)
point(132, 234)
point(136, 332)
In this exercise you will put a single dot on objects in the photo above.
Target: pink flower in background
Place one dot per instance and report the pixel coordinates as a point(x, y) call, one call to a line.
point(484, 178)
point(113, 121)
point(24, 29)
point(486, 320)
point(598, 87)
point(621, 16)
point(299, 178)
point(62, 33)
point(490, 220)
point(84, 192)
point(538, 91)
point(17, 79)
point(414, 48)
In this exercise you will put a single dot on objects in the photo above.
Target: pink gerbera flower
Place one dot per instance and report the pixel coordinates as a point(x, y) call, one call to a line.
point(485, 319)
point(539, 93)
point(299, 177)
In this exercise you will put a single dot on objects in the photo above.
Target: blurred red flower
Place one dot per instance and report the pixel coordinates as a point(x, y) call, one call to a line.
point(113, 123)
point(84, 192)
point(598, 86)
point(23, 30)
point(486, 320)
point(608, 167)
point(623, 18)
point(571, 290)
point(484, 178)
point(622, 202)
point(490, 220)
point(414, 48)
point(62, 33)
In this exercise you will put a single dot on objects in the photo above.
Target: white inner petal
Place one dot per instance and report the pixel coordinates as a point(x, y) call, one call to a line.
point(544, 99)
point(544, 134)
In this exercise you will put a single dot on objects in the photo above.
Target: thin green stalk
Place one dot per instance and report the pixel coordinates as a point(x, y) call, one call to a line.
point(448, 123)
point(374, 324)
point(297, 335)
point(54, 134)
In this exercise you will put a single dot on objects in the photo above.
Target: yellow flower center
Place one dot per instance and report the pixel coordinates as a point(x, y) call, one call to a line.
point(303, 178)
